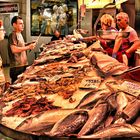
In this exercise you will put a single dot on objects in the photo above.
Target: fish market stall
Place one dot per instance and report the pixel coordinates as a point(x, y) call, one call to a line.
point(72, 91)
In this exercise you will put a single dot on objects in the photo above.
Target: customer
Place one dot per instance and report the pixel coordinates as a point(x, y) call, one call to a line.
point(57, 35)
point(17, 49)
point(2, 34)
point(108, 39)
point(123, 50)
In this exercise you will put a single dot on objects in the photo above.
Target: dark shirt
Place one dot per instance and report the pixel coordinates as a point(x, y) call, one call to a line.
point(57, 38)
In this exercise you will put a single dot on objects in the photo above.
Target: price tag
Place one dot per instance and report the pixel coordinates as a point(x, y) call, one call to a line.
point(130, 88)
point(90, 83)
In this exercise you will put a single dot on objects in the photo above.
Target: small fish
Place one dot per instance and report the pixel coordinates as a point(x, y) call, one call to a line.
point(69, 124)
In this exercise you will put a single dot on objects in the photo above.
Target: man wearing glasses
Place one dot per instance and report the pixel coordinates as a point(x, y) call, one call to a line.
point(124, 49)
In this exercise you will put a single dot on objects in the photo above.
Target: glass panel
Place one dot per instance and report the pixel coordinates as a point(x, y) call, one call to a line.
point(48, 15)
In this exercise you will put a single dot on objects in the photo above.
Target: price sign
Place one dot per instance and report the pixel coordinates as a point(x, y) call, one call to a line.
point(130, 88)
point(90, 83)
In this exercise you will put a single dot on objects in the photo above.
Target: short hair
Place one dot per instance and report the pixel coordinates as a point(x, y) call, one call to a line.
point(14, 19)
point(124, 16)
point(107, 19)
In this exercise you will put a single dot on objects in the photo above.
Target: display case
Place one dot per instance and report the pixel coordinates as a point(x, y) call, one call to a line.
point(49, 15)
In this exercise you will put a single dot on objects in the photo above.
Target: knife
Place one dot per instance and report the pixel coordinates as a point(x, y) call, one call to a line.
point(35, 41)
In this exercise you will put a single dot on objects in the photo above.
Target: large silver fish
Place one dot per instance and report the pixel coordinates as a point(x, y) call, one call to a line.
point(93, 97)
point(42, 120)
point(115, 131)
point(69, 124)
point(96, 116)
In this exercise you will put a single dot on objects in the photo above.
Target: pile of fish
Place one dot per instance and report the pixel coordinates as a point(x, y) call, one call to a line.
point(78, 96)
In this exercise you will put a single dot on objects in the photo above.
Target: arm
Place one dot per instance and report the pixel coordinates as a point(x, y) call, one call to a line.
point(117, 45)
point(134, 47)
point(13, 43)
point(16, 49)
point(135, 42)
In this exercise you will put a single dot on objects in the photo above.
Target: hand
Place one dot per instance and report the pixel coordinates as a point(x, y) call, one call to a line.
point(32, 46)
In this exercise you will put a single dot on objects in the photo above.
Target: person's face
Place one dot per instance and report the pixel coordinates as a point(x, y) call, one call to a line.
point(19, 26)
point(2, 34)
point(103, 26)
point(57, 33)
point(121, 23)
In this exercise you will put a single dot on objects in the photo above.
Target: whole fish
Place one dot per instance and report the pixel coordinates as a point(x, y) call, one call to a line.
point(115, 131)
point(105, 123)
point(93, 97)
point(132, 110)
point(122, 102)
point(44, 119)
point(69, 124)
point(96, 116)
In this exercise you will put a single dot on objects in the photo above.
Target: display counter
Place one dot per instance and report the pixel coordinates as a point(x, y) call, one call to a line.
point(71, 91)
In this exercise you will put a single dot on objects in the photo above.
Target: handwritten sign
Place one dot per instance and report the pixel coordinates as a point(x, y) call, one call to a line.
point(90, 83)
point(130, 88)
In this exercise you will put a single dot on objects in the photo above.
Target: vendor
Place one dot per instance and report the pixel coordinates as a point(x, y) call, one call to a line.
point(107, 41)
point(124, 49)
